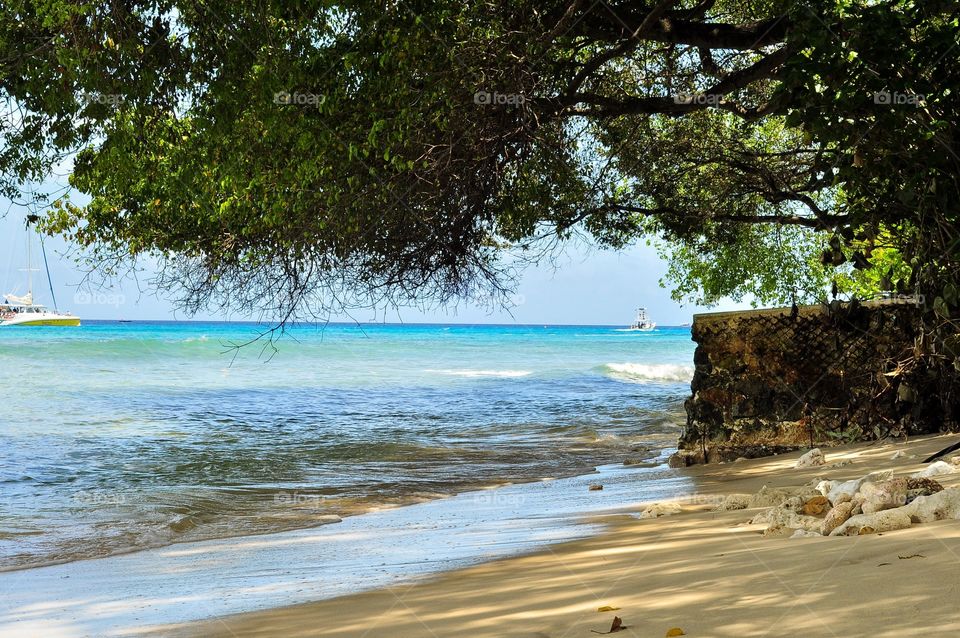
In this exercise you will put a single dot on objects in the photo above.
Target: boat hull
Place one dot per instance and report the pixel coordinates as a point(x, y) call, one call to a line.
point(42, 321)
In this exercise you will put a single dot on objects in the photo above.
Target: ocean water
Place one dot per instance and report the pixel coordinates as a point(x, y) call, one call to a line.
point(118, 437)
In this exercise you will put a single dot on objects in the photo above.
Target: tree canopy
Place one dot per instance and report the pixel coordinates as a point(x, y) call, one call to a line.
point(273, 154)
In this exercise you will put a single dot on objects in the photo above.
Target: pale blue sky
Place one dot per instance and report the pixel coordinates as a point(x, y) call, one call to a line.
point(588, 286)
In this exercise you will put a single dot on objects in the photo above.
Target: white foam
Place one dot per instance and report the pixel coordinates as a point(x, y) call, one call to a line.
point(640, 372)
point(504, 374)
point(143, 592)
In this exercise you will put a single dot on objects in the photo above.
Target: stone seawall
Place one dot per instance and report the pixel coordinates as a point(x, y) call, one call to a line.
point(774, 380)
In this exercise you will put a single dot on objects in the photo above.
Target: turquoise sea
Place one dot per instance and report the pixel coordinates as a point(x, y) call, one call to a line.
point(123, 436)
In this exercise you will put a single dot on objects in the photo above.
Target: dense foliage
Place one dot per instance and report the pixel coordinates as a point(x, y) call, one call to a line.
point(281, 154)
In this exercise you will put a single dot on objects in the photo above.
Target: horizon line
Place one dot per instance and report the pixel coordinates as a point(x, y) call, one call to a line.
point(379, 323)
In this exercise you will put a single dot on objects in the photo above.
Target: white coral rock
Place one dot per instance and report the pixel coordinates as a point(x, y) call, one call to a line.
point(824, 487)
point(936, 469)
point(813, 458)
point(845, 491)
point(836, 517)
point(769, 497)
point(657, 510)
point(802, 533)
point(936, 507)
point(783, 517)
point(884, 495)
point(733, 502)
point(885, 521)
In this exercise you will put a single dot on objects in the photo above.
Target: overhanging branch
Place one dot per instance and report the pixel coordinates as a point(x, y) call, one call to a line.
point(619, 23)
point(595, 105)
point(819, 222)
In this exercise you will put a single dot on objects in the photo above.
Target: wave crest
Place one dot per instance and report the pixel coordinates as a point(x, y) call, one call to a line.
point(504, 374)
point(640, 372)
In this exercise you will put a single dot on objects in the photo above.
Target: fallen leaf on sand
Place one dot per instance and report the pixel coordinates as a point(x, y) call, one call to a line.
point(675, 631)
point(607, 608)
point(615, 626)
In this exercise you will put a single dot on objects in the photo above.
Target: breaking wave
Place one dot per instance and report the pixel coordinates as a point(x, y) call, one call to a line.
point(641, 372)
point(502, 374)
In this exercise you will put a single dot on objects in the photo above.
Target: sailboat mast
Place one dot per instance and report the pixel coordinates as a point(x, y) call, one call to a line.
point(46, 267)
point(29, 264)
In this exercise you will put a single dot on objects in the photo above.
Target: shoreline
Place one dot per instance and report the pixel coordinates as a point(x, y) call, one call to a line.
point(554, 555)
point(709, 573)
point(131, 593)
point(647, 462)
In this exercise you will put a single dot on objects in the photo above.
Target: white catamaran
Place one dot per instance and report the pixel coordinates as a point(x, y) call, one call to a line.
point(17, 310)
point(642, 322)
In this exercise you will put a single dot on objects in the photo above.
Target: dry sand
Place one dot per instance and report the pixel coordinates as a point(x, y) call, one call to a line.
point(706, 572)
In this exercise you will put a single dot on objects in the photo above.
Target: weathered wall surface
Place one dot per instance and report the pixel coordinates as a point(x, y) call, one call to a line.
point(774, 380)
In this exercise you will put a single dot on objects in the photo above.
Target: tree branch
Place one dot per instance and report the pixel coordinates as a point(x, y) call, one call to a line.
point(604, 106)
point(670, 28)
point(783, 220)
point(652, 18)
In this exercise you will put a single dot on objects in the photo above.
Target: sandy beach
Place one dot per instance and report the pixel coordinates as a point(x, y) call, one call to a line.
point(707, 573)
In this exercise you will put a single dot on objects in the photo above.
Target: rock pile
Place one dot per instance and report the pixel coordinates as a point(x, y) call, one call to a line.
point(874, 503)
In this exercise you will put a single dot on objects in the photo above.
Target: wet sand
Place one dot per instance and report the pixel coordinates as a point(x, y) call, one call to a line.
point(705, 572)
point(133, 593)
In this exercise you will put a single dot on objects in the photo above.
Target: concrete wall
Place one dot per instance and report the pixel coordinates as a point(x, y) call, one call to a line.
point(774, 380)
